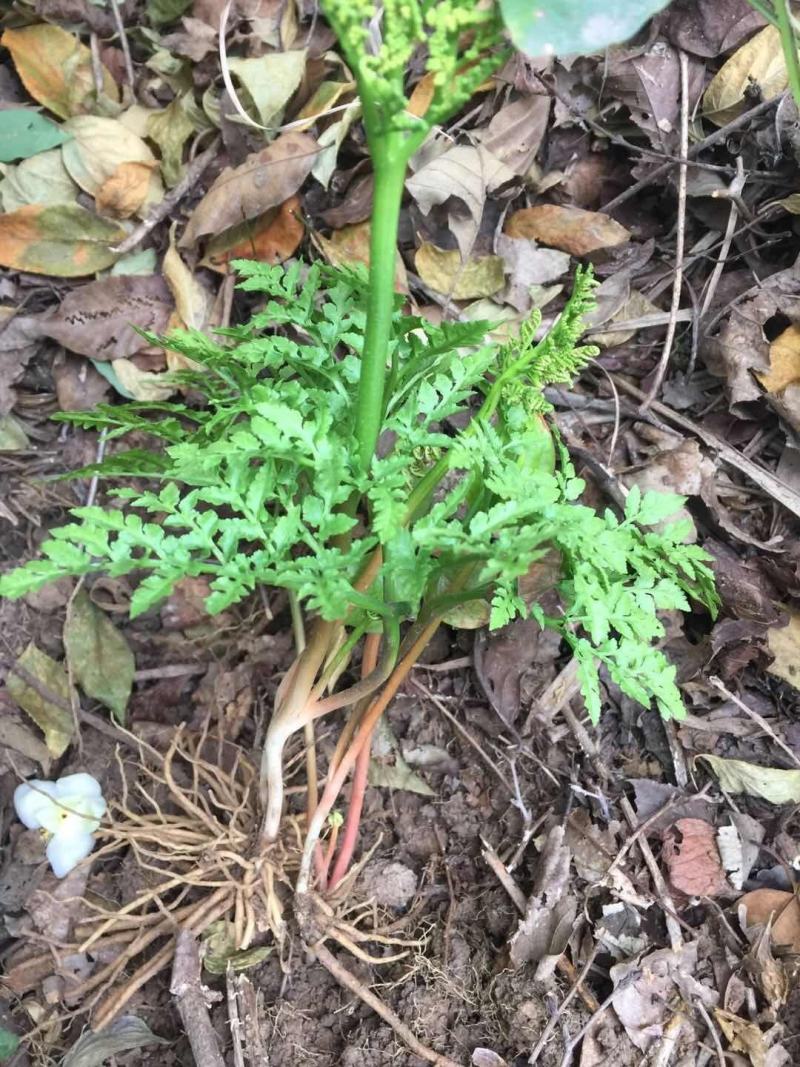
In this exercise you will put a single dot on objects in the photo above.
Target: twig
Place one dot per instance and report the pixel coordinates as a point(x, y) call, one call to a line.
point(734, 194)
point(712, 1030)
point(758, 719)
point(193, 174)
point(551, 1022)
point(677, 283)
point(349, 981)
point(713, 138)
point(669, 1040)
point(192, 1002)
point(764, 479)
point(123, 43)
point(574, 1041)
point(234, 1020)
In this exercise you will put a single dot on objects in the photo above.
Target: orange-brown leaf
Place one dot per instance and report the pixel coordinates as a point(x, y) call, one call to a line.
point(271, 238)
point(571, 229)
point(64, 240)
point(780, 905)
point(125, 191)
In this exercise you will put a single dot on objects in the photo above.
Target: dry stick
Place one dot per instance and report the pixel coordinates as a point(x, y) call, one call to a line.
point(551, 1022)
point(669, 1040)
point(123, 43)
point(349, 981)
point(764, 479)
point(193, 174)
point(734, 194)
point(717, 137)
point(677, 284)
point(713, 1031)
point(190, 998)
point(758, 719)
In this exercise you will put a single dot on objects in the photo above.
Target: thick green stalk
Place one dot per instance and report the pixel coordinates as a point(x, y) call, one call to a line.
point(390, 161)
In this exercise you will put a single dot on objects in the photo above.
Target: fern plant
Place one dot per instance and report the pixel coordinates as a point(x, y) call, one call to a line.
point(325, 461)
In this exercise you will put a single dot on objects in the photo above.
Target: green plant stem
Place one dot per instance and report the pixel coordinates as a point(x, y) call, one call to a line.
point(390, 161)
point(789, 43)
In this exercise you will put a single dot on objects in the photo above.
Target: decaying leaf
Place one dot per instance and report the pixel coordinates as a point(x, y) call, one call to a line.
point(125, 1033)
point(98, 319)
point(782, 380)
point(528, 266)
point(778, 907)
point(50, 712)
point(350, 245)
point(743, 1036)
point(98, 654)
point(221, 952)
point(516, 131)
point(387, 767)
point(193, 302)
point(758, 63)
point(111, 163)
point(56, 68)
point(446, 273)
point(770, 783)
point(170, 129)
point(571, 229)
point(544, 930)
point(738, 846)
point(692, 858)
point(64, 240)
point(266, 179)
point(645, 991)
point(12, 435)
point(141, 384)
point(784, 644)
point(42, 179)
point(271, 238)
point(270, 81)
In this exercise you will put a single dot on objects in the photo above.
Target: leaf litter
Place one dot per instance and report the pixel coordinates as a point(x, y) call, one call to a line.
point(557, 160)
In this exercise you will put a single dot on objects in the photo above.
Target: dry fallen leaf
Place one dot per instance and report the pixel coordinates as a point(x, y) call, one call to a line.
point(770, 783)
point(42, 179)
point(142, 384)
point(193, 302)
point(50, 712)
point(784, 644)
point(743, 1036)
point(544, 930)
point(64, 240)
point(126, 191)
point(516, 131)
point(445, 273)
point(571, 229)
point(779, 907)
point(527, 266)
point(271, 238)
point(351, 245)
point(692, 858)
point(270, 80)
point(98, 319)
point(99, 655)
point(782, 380)
point(264, 180)
point(757, 64)
point(56, 68)
point(113, 164)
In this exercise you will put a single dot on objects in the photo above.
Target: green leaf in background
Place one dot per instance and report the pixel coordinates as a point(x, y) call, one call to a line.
point(160, 12)
point(23, 133)
point(100, 657)
point(563, 27)
point(9, 1043)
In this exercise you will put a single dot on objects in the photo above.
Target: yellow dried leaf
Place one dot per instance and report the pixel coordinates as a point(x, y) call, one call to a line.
point(759, 65)
point(770, 783)
point(123, 193)
point(48, 702)
point(784, 361)
point(571, 229)
point(142, 384)
point(784, 644)
point(445, 273)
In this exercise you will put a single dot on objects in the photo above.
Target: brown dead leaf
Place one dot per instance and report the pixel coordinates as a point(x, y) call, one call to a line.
point(743, 1036)
point(446, 273)
point(784, 644)
point(48, 703)
point(79, 387)
point(125, 191)
point(143, 384)
point(692, 858)
point(422, 95)
point(528, 265)
point(20, 335)
point(569, 228)
point(266, 179)
point(519, 657)
point(351, 245)
point(709, 28)
point(516, 131)
point(782, 380)
point(97, 319)
point(544, 930)
point(769, 974)
point(271, 238)
point(757, 64)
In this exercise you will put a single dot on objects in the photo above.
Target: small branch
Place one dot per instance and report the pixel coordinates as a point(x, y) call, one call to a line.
point(191, 999)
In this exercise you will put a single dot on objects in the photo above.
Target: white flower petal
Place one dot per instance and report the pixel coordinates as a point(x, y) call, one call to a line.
point(32, 800)
point(78, 785)
point(65, 851)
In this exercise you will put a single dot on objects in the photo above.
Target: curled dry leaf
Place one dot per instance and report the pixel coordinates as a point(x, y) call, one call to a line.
point(98, 319)
point(770, 783)
point(784, 644)
point(692, 858)
point(743, 1036)
point(709, 28)
point(778, 907)
point(56, 69)
point(757, 64)
point(571, 229)
point(111, 163)
point(64, 240)
point(266, 179)
point(446, 273)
